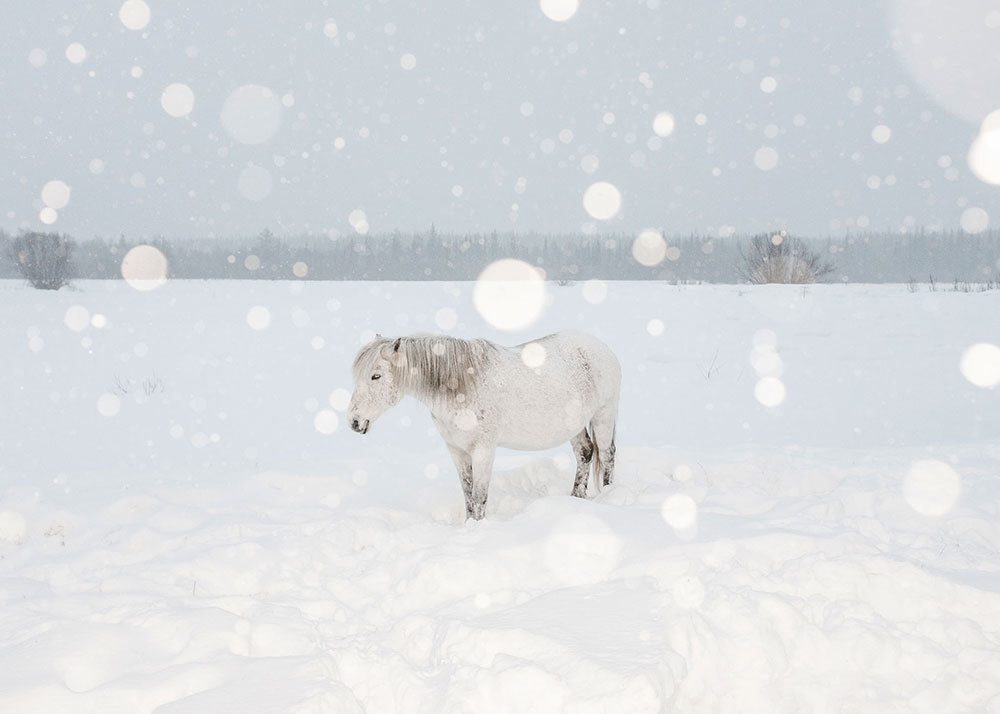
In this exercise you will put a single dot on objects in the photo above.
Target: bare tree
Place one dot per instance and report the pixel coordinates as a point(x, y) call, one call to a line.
point(780, 258)
point(44, 259)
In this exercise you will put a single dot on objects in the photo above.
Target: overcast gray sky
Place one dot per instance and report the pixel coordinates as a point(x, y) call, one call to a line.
point(309, 116)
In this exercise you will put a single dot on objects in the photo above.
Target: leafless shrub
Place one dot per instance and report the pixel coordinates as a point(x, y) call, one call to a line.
point(152, 385)
point(121, 386)
point(712, 369)
point(44, 259)
point(962, 286)
point(146, 387)
point(780, 258)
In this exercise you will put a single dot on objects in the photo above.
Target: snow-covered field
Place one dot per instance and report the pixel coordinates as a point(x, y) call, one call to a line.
point(806, 516)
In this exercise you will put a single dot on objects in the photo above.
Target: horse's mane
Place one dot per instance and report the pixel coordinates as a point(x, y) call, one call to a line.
point(429, 366)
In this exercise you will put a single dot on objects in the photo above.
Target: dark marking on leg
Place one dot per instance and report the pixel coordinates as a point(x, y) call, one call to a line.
point(608, 460)
point(583, 449)
point(465, 476)
point(482, 468)
point(463, 464)
point(476, 505)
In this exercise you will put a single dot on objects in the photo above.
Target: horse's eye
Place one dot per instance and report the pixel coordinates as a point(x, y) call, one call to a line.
point(376, 376)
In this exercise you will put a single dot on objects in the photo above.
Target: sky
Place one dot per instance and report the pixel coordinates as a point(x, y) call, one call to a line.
point(211, 119)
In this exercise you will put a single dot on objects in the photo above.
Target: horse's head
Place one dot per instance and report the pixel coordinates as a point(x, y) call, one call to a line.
point(376, 383)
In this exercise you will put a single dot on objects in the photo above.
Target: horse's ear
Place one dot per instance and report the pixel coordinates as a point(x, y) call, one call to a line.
point(395, 345)
point(378, 335)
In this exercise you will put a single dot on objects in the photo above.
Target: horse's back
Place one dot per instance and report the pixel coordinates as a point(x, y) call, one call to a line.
point(594, 355)
point(580, 362)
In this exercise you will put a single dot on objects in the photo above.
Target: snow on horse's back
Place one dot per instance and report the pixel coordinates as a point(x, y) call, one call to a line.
point(533, 396)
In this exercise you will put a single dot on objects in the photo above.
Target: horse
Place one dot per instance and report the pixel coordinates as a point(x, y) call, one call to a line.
point(530, 397)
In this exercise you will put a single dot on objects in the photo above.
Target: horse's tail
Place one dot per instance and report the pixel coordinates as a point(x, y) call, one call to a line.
point(596, 465)
point(603, 461)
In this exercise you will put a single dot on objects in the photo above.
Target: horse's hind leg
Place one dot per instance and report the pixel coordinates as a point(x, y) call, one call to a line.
point(583, 449)
point(602, 427)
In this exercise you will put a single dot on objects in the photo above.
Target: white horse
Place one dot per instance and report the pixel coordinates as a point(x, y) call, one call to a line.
point(482, 395)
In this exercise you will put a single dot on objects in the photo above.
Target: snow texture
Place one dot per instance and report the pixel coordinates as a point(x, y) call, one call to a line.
point(187, 525)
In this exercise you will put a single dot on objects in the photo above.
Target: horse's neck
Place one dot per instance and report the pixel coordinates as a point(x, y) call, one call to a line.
point(436, 403)
point(445, 407)
point(420, 395)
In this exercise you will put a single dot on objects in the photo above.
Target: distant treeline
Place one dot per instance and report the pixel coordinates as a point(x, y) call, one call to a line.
point(866, 257)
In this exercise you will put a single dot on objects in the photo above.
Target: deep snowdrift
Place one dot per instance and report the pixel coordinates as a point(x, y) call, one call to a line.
point(186, 524)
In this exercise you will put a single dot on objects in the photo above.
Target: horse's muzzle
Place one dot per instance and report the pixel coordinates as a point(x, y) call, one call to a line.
point(360, 426)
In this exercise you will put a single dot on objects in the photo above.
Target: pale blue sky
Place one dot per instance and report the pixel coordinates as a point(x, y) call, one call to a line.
point(498, 108)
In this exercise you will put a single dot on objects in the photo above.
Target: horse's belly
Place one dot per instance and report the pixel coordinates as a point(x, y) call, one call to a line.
point(535, 435)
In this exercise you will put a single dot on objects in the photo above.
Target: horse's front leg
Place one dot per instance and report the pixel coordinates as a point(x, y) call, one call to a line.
point(463, 464)
point(482, 469)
